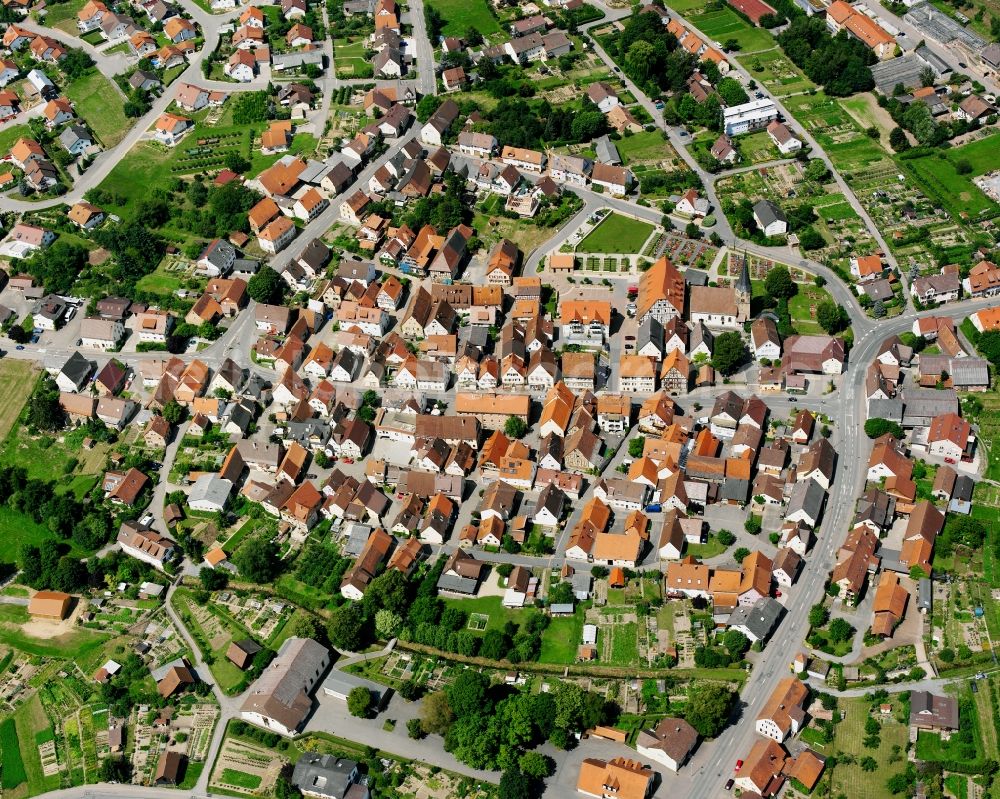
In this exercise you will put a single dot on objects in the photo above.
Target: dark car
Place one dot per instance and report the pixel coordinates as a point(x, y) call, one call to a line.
point(729, 784)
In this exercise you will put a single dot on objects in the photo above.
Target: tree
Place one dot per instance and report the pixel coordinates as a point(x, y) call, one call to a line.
point(752, 525)
point(266, 286)
point(415, 729)
point(947, 655)
point(726, 538)
point(840, 630)
point(963, 166)
point(250, 107)
point(515, 784)
point(817, 170)
point(898, 140)
point(436, 715)
point(636, 446)
point(212, 580)
point(346, 627)
point(876, 427)
point(387, 624)
point(173, 411)
point(44, 410)
point(810, 238)
point(359, 702)
point(536, 765)
point(736, 643)
point(831, 317)
point(258, 561)
point(779, 283)
point(818, 615)
point(868, 763)
point(467, 694)
point(740, 554)
point(708, 707)
point(515, 427)
point(730, 352)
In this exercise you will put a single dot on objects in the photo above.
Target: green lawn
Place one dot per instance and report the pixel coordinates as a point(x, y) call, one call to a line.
point(98, 101)
point(712, 547)
point(240, 779)
point(938, 177)
point(802, 307)
point(851, 780)
point(756, 148)
point(459, 15)
point(31, 720)
point(63, 15)
point(8, 136)
point(645, 146)
point(350, 60)
point(617, 234)
point(13, 773)
point(17, 530)
point(561, 639)
point(491, 606)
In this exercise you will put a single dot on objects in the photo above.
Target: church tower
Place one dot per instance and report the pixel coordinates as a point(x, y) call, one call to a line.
point(743, 292)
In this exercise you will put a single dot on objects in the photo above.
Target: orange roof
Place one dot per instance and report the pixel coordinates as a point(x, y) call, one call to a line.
point(869, 265)
point(585, 311)
point(661, 282)
point(625, 779)
point(989, 318)
point(215, 556)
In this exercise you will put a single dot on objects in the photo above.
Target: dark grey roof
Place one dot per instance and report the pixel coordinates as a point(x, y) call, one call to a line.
point(695, 277)
point(807, 496)
point(925, 593)
point(891, 409)
point(315, 255)
point(77, 368)
point(650, 332)
point(920, 405)
point(964, 486)
point(324, 775)
point(457, 585)
point(735, 490)
point(969, 372)
point(607, 152)
point(767, 212)
point(760, 619)
point(220, 253)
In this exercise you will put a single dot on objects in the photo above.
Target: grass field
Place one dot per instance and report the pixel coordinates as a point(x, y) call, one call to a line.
point(938, 177)
point(31, 720)
point(16, 531)
point(17, 379)
point(98, 101)
point(459, 15)
point(756, 148)
point(802, 306)
point(13, 773)
point(851, 780)
point(350, 60)
point(646, 146)
point(617, 234)
point(63, 15)
point(491, 606)
point(240, 779)
point(561, 639)
point(8, 136)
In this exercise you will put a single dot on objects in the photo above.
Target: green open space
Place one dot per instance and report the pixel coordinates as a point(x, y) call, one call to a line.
point(31, 721)
point(617, 234)
point(459, 15)
point(76, 644)
point(63, 15)
point(17, 379)
point(99, 102)
point(645, 146)
point(8, 136)
point(938, 177)
point(850, 779)
point(350, 60)
point(13, 773)
point(491, 606)
point(561, 638)
point(240, 779)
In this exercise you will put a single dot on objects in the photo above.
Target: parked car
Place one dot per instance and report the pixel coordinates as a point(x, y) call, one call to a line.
point(739, 765)
point(729, 784)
